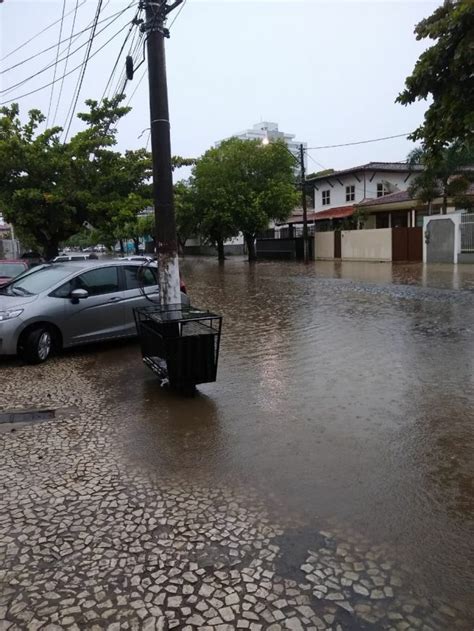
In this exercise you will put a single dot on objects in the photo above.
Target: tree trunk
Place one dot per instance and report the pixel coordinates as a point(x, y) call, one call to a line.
point(444, 210)
point(220, 250)
point(252, 251)
point(136, 245)
point(51, 250)
point(122, 249)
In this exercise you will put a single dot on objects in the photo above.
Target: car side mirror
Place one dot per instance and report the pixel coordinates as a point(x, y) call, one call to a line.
point(78, 294)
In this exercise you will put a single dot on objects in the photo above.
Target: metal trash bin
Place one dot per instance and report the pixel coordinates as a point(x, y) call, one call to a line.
point(180, 345)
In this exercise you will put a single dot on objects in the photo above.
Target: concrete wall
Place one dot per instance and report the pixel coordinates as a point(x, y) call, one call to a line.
point(324, 245)
point(367, 245)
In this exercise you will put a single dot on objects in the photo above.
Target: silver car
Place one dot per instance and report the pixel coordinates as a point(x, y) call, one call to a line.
point(61, 305)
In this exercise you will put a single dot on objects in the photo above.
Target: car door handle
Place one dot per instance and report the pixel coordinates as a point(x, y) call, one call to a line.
point(115, 299)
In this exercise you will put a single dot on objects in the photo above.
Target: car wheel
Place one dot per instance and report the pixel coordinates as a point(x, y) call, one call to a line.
point(37, 345)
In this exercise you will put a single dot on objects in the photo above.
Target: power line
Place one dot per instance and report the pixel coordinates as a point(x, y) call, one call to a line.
point(21, 96)
point(360, 142)
point(56, 62)
point(87, 55)
point(36, 74)
point(315, 161)
point(66, 62)
point(137, 86)
point(38, 34)
point(67, 39)
point(177, 15)
point(132, 25)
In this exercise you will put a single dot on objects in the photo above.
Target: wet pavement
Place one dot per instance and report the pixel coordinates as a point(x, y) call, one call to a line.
point(324, 482)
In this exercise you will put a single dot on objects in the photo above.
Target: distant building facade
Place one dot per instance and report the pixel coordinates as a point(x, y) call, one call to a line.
point(268, 130)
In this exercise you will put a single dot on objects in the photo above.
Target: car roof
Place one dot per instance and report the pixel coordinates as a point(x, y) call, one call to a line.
point(92, 263)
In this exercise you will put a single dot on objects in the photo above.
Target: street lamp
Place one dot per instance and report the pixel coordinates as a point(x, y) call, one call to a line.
point(300, 161)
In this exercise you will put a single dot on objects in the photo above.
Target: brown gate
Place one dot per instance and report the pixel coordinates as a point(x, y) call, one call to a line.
point(337, 244)
point(407, 244)
point(415, 244)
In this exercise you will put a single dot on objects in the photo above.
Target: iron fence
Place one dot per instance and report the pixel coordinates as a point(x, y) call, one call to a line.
point(467, 232)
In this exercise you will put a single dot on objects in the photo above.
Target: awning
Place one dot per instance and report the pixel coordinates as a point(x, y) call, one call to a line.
point(335, 213)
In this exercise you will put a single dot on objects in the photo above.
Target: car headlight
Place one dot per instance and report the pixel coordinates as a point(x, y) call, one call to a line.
point(8, 315)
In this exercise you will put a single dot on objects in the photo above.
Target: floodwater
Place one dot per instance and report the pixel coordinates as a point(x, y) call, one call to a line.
point(344, 394)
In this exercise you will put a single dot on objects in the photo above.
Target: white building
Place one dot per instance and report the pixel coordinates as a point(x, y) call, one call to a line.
point(269, 131)
point(348, 187)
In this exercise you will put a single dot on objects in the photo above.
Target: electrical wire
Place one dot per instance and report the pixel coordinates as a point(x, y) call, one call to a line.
point(136, 87)
point(67, 39)
point(87, 55)
point(56, 62)
point(38, 34)
point(86, 43)
point(66, 63)
point(129, 32)
point(177, 15)
point(21, 96)
point(360, 142)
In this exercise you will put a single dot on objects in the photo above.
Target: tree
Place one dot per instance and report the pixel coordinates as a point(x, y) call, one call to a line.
point(50, 188)
point(241, 186)
point(445, 72)
point(187, 217)
point(448, 174)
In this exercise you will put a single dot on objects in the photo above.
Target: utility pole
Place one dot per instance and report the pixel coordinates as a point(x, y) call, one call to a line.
point(303, 203)
point(165, 223)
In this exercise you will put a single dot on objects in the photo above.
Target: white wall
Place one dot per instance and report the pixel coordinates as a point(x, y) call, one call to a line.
point(338, 191)
point(324, 245)
point(367, 245)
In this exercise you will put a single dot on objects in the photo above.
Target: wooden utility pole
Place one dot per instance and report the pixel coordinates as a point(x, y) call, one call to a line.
point(165, 222)
point(303, 203)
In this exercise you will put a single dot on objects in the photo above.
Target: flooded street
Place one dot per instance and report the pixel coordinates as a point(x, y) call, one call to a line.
point(341, 426)
point(338, 397)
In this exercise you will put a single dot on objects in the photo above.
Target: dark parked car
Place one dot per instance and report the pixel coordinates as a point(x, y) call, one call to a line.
point(60, 305)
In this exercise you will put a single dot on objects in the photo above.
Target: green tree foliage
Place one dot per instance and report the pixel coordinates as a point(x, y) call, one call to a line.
point(445, 72)
point(448, 175)
point(50, 188)
point(241, 186)
point(187, 217)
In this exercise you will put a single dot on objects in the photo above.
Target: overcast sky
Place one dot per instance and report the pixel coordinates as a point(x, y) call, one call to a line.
point(328, 72)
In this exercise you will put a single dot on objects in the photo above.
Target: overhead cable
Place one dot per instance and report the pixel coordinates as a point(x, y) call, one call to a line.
point(69, 39)
point(86, 43)
point(21, 96)
point(360, 142)
point(66, 63)
point(38, 34)
point(56, 62)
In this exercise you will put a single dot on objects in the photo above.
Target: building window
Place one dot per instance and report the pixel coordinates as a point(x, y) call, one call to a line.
point(350, 193)
point(326, 197)
point(382, 189)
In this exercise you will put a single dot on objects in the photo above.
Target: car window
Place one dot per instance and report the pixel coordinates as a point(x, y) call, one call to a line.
point(37, 280)
point(98, 281)
point(137, 276)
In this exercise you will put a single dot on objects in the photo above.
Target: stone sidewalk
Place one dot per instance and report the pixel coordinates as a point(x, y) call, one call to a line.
point(89, 542)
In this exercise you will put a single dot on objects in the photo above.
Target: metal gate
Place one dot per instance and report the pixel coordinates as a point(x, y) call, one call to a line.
point(439, 238)
point(407, 244)
point(467, 232)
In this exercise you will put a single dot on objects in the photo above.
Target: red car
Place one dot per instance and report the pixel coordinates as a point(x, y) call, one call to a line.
point(10, 270)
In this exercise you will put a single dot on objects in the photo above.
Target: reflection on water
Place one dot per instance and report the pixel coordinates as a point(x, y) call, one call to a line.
point(344, 390)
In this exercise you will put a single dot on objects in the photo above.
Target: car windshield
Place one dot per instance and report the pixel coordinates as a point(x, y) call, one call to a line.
point(37, 280)
point(11, 270)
